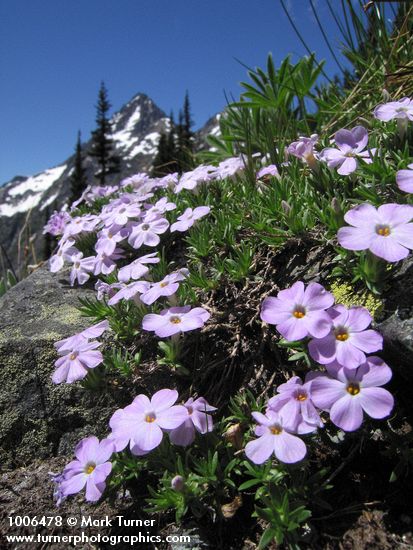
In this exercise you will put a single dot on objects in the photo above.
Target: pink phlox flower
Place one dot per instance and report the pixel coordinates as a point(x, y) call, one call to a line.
point(57, 223)
point(65, 252)
point(348, 341)
point(130, 291)
point(346, 393)
point(351, 146)
point(385, 230)
point(106, 263)
point(303, 148)
point(148, 233)
point(121, 214)
point(294, 399)
point(404, 179)
point(270, 170)
point(81, 199)
point(189, 217)
point(98, 191)
point(81, 224)
point(91, 468)
point(230, 167)
point(58, 495)
point(104, 289)
point(67, 344)
point(169, 181)
point(274, 437)
point(299, 312)
point(167, 287)
point(141, 423)
point(109, 237)
point(402, 109)
point(137, 268)
point(175, 320)
point(136, 181)
point(75, 363)
point(192, 179)
point(156, 210)
point(81, 269)
point(197, 421)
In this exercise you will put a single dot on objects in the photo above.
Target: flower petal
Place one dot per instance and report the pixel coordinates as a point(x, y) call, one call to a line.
point(347, 413)
point(325, 391)
point(376, 402)
point(355, 238)
point(260, 450)
point(289, 448)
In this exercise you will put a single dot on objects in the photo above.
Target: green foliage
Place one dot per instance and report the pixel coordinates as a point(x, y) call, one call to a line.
point(284, 516)
point(125, 319)
point(121, 361)
point(7, 281)
point(78, 180)
point(102, 147)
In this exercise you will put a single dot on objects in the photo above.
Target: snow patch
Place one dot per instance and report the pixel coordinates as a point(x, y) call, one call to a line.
point(49, 201)
point(38, 183)
point(22, 206)
point(123, 137)
point(147, 146)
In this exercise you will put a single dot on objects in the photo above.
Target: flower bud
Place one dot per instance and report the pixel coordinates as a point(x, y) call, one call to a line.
point(386, 95)
point(286, 207)
point(233, 435)
point(178, 484)
point(335, 206)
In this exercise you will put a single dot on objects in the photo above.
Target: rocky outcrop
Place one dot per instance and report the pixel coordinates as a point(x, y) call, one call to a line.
point(37, 418)
point(397, 326)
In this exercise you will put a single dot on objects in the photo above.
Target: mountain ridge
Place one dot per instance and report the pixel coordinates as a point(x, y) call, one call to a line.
point(27, 201)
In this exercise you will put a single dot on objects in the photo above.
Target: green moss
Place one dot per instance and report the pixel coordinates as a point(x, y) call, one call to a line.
point(10, 334)
point(65, 313)
point(344, 294)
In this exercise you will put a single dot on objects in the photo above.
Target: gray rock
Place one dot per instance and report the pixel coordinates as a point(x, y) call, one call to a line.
point(397, 326)
point(38, 418)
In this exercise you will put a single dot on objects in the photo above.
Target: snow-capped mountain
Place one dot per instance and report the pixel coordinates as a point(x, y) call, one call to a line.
point(27, 202)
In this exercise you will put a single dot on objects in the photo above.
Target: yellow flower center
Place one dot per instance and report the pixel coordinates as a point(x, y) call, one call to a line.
point(276, 430)
point(353, 388)
point(175, 320)
point(341, 334)
point(299, 312)
point(301, 396)
point(90, 467)
point(383, 230)
point(162, 285)
point(72, 356)
point(150, 417)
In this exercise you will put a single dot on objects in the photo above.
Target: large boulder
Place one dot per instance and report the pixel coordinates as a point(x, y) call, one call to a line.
point(397, 326)
point(37, 418)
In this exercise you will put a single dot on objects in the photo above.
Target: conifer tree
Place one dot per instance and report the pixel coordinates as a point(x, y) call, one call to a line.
point(165, 160)
point(188, 123)
point(161, 158)
point(102, 144)
point(171, 146)
point(78, 180)
point(185, 136)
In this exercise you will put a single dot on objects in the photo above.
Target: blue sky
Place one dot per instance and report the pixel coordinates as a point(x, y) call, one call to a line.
point(54, 53)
